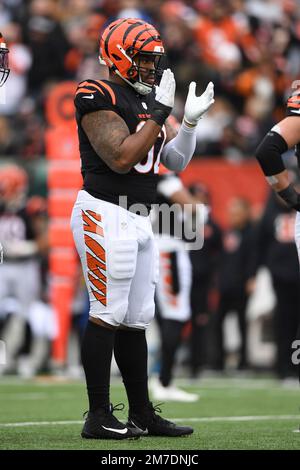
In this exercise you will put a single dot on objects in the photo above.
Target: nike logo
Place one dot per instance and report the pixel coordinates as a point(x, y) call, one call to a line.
point(119, 431)
point(89, 97)
point(144, 431)
point(295, 111)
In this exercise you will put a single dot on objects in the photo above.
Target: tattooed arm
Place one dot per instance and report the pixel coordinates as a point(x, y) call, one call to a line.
point(111, 139)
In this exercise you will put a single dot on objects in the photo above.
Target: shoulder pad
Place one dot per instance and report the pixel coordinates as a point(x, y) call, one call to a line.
point(93, 95)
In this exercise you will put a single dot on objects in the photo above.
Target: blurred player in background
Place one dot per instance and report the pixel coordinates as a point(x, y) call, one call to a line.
point(122, 140)
point(283, 136)
point(174, 286)
point(20, 271)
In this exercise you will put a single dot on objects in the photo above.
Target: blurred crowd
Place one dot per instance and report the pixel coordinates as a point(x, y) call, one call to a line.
point(247, 271)
point(248, 48)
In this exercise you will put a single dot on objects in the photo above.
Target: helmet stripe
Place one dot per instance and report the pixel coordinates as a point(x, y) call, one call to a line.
point(130, 28)
point(109, 35)
point(140, 34)
point(151, 39)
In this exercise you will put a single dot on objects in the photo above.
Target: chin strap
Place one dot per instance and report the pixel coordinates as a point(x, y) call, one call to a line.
point(141, 88)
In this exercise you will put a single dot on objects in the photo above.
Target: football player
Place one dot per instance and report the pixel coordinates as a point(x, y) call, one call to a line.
point(4, 68)
point(122, 139)
point(20, 271)
point(283, 136)
point(174, 285)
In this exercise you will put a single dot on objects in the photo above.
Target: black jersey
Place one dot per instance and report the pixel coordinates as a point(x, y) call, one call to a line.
point(139, 184)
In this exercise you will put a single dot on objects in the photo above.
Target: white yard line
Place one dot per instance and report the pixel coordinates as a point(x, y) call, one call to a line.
point(34, 395)
point(26, 396)
point(212, 419)
point(38, 423)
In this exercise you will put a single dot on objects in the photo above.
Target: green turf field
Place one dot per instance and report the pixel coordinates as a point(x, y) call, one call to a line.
point(231, 414)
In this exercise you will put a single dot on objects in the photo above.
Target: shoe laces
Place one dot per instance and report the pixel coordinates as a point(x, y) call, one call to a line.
point(153, 410)
point(112, 408)
point(156, 408)
point(117, 407)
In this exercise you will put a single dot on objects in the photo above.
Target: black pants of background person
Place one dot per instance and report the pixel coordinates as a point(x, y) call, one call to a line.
point(230, 302)
point(171, 337)
point(287, 319)
point(200, 320)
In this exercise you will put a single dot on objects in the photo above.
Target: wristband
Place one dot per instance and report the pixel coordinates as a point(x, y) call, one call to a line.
point(189, 124)
point(159, 113)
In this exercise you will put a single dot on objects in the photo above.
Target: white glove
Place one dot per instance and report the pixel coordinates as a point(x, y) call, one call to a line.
point(196, 106)
point(165, 92)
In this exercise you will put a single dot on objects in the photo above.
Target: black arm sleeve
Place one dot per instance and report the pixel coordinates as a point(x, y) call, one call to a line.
point(269, 152)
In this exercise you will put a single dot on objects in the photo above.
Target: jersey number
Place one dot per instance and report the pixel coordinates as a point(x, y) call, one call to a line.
point(151, 162)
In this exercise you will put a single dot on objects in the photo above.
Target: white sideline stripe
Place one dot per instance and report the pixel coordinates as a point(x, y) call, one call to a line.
point(212, 419)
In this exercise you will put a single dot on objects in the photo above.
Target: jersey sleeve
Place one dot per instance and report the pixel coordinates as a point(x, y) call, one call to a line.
point(293, 105)
point(94, 95)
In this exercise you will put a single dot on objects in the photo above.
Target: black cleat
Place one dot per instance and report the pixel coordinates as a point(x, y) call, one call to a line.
point(150, 424)
point(102, 424)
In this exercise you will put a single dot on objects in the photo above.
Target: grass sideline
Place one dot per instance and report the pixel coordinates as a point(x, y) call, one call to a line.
point(230, 414)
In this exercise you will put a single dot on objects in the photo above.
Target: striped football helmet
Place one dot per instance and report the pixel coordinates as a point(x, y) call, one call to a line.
point(123, 43)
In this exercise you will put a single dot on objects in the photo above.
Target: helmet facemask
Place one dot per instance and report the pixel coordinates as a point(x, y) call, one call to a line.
point(138, 73)
point(4, 68)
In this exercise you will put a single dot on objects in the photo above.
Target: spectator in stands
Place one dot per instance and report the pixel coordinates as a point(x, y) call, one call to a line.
point(83, 36)
point(7, 137)
point(48, 44)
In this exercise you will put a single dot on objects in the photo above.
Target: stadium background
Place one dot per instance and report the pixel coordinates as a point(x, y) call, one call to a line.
point(249, 49)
